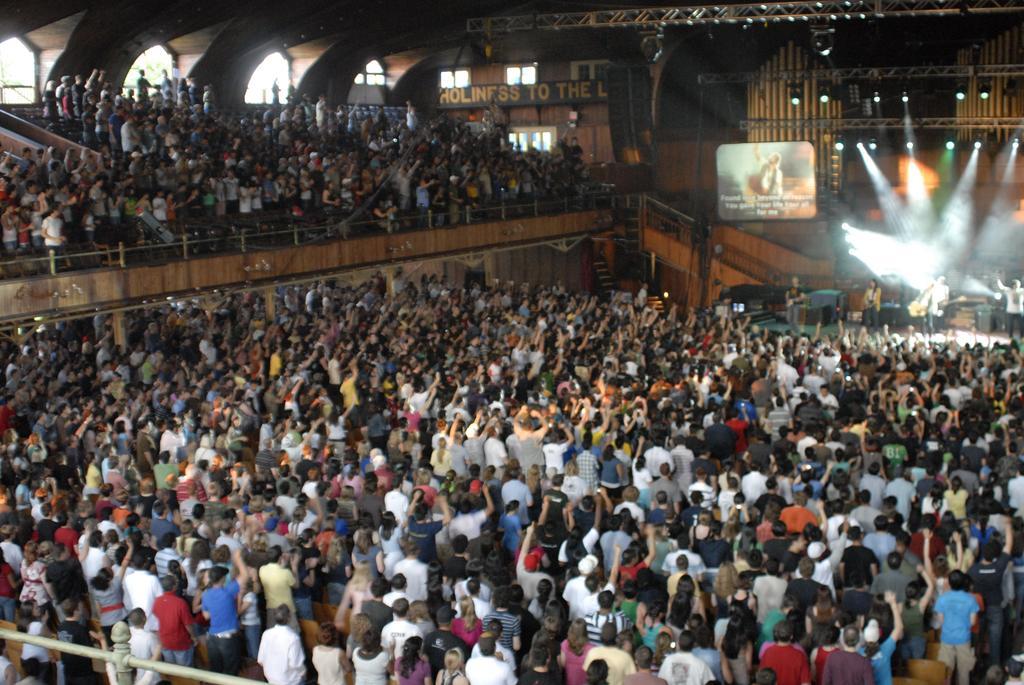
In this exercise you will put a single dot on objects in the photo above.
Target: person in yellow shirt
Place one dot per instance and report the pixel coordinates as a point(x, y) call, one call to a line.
point(278, 578)
point(93, 477)
point(275, 363)
point(349, 394)
point(956, 498)
point(441, 458)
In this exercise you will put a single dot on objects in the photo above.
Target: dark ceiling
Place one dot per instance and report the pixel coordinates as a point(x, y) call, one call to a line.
point(112, 32)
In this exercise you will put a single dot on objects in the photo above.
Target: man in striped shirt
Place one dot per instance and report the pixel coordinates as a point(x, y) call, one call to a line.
point(605, 615)
point(511, 625)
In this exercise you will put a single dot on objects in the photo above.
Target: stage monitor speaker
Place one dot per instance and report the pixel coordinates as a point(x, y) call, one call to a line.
point(629, 112)
point(984, 320)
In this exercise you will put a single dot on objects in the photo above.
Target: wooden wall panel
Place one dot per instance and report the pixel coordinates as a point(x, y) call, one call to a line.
point(783, 259)
point(1006, 48)
point(79, 290)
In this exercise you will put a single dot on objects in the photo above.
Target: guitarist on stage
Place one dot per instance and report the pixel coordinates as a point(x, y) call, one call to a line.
point(795, 298)
point(935, 297)
point(1014, 294)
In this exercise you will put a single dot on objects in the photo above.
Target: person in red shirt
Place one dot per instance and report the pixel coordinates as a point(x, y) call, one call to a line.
point(797, 516)
point(6, 415)
point(787, 661)
point(177, 625)
point(739, 427)
point(66, 533)
point(916, 547)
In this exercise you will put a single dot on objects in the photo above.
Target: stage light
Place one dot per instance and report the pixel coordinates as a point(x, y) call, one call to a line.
point(910, 145)
point(961, 91)
point(824, 95)
point(795, 91)
point(840, 144)
point(872, 144)
point(1016, 143)
point(950, 144)
point(876, 98)
point(822, 39)
point(984, 91)
point(846, 226)
point(652, 46)
point(977, 145)
point(904, 97)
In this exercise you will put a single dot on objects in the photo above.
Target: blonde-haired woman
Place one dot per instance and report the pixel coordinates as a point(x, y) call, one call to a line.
point(358, 627)
point(357, 591)
point(337, 570)
point(729, 589)
point(572, 653)
point(467, 626)
point(574, 486)
point(453, 672)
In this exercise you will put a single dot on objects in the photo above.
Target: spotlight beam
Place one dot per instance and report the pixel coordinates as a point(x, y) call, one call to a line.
point(954, 224)
point(893, 210)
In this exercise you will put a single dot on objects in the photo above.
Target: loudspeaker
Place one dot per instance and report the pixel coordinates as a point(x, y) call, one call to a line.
point(629, 112)
point(154, 229)
point(984, 321)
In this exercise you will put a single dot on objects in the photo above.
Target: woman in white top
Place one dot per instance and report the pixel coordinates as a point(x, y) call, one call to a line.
point(159, 205)
point(9, 222)
point(370, 661)
point(328, 657)
point(198, 561)
point(245, 194)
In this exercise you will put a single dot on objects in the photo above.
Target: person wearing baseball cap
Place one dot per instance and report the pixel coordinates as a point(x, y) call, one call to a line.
point(437, 643)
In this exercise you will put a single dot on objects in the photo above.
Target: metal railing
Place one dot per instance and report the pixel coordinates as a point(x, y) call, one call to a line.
point(122, 659)
point(258, 233)
point(17, 95)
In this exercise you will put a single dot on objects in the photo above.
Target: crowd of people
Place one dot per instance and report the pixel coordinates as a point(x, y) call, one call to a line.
point(488, 485)
point(172, 155)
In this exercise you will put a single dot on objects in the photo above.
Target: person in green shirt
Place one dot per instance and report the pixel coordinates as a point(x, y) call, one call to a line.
point(165, 474)
point(895, 453)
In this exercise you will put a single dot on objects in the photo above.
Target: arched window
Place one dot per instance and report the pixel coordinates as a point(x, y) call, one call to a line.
point(273, 69)
point(372, 74)
point(152, 63)
point(17, 73)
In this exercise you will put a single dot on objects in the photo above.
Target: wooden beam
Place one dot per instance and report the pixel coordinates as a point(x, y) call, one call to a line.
point(113, 288)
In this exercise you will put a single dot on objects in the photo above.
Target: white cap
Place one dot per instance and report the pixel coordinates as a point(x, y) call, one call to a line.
point(379, 461)
point(815, 550)
point(587, 564)
point(472, 431)
point(871, 632)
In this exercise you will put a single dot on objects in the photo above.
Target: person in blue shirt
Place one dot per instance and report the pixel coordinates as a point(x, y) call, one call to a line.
point(422, 529)
point(219, 601)
point(878, 651)
point(515, 489)
point(956, 611)
point(512, 526)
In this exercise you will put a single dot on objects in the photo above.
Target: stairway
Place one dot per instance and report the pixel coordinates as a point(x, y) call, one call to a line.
point(604, 280)
point(656, 303)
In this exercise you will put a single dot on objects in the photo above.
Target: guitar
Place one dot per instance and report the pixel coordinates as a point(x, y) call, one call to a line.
point(919, 307)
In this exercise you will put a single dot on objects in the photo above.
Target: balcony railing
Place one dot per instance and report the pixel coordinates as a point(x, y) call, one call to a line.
point(261, 232)
point(121, 658)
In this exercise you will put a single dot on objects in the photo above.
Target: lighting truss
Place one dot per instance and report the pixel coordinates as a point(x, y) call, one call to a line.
point(868, 73)
point(866, 123)
point(748, 13)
